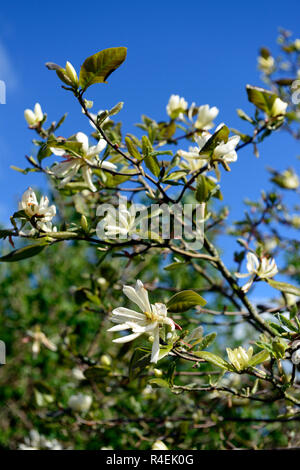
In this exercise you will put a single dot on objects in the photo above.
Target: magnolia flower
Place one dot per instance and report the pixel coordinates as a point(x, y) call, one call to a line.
point(278, 108)
point(176, 106)
point(39, 210)
point(39, 338)
point(192, 160)
point(159, 445)
point(264, 268)
point(266, 64)
point(36, 441)
point(123, 223)
point(149, 321)
point(77, 374)
point(70, 167)
point(288, 179)
point(80, 402)
point(239, 357)
point(120, 223)
point(205, 117)
point(223, 151)
point(34, 117)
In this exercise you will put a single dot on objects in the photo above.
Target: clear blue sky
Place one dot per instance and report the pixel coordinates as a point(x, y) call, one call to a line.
point(204, 51)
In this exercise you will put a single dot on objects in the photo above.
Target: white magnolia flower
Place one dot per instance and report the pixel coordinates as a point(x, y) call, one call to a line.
point(191, 159)
point(149, 321)
point(71, 165)
point(264, 268)
point(266, 64)
point(123, 222)
point(288, 179)
point(39, 338)
point(36, 441)
point(159, 445)
point(77, 374)
point(42, 212)
point(176, 106)
point(227, 151)
point(34, 117)
point(278, 108)
point(205, 117)
point(223, 151)
point(80, 402)
point(239, 357)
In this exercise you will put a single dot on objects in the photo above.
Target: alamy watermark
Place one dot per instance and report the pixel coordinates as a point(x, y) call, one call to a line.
point(124, 221)
point(2, 92)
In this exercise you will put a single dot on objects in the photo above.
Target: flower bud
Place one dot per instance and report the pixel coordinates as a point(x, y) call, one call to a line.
point(158, 373)
point(71, 73)
point(159, 445)
point(105, 360)
point(84, 223)
point(80, 402)
point(278, 108)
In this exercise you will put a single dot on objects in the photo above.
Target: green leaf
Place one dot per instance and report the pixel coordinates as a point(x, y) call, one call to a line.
point(98, 67)
point(261, 98)
point(159, 382)
point(220, 136)
point(183, 301)
point(139, 361)
point(96, 373)
point(244, 116)
point(284, 287)
point(23, 253)
point(132, 149)
point(262, 356)
point(213, 359)
point(174, 266)
point(290, 325)
point(203, 343)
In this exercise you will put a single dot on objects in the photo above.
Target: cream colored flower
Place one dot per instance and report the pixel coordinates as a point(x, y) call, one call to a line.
point(80, 402)
point(36, 441)
point(41, 211)
point(266, 64)
point(264, 268)
point(71, 73)
point(176, 106)
point(39, 339)
point(205, 117)
point(71, 165)
point(152, 318)
point(239, 357)
point(34, 117)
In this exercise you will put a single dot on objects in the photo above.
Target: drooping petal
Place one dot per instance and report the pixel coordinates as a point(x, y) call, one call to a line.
point(155, 346)
point(126, 339)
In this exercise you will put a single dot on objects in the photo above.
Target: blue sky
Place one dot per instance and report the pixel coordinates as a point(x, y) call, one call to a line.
point(204, 51)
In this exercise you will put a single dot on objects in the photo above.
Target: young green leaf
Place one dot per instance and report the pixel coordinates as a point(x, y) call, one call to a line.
point(23, 253)
point(183, 301)
point(98, 67)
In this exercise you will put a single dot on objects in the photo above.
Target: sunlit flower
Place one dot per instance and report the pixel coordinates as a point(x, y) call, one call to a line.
point(41, 211)
point(39, 338)
point(288, 179)
point(239, 357)
point(264, 268)
point(159, 445)
point(80, 402)
point(176, 106)
point(36, 441)
point(205, 117)
point(71, 165)
point(266, 64)
point(34, 117)
point(223, 151)
point(278, 108)
point(153, 317)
